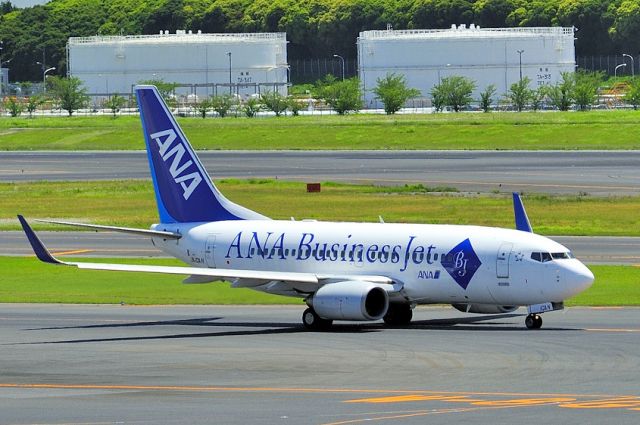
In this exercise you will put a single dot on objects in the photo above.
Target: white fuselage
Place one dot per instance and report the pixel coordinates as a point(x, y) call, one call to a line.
point(434, 263)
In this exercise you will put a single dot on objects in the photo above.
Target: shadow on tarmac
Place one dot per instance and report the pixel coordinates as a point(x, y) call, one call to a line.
point(475, 323)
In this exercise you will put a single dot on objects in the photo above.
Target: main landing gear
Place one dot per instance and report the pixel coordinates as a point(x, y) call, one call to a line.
point(533, 321)
point(398, 314)
point(313, 322)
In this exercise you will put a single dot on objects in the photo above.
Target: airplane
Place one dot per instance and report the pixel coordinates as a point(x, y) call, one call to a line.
point(342, 271)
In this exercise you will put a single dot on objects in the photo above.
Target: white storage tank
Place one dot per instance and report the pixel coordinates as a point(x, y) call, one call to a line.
point(486, 55)
point(203, 64)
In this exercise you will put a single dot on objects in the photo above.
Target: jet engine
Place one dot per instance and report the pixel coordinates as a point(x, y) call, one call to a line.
point(484, 308)
point(350, 300)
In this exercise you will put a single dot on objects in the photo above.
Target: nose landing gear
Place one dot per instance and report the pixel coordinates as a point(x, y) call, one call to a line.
point(533, 321)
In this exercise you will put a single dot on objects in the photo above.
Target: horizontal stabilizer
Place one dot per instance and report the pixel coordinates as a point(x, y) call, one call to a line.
point(141, 232)
point(522, 221)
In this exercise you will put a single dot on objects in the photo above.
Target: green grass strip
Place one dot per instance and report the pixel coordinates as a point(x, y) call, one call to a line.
point(132, 203)
point(26, 280)
point(527, 130)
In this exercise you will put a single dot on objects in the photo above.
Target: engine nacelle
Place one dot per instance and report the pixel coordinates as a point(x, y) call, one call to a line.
point(350, 300)
point(484, 308)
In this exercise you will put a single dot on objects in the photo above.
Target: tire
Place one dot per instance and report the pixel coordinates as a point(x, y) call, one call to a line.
point(398, 315)
point(533, 321)
point(313, 322)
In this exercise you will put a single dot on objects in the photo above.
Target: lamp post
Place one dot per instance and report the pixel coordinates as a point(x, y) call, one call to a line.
point(633, 70)
point(615, 71)
point(229, 54)
point(520, 52)
point(342, 61)
point(44, 77)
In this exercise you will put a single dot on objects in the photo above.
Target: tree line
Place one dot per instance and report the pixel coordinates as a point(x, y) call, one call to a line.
point(315, 28)
point(580, 90)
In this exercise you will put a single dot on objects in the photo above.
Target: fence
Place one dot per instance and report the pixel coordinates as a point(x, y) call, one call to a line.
point(608, 64)
point(311, 70)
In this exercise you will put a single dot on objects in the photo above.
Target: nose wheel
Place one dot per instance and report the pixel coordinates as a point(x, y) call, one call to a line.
point(533, 321)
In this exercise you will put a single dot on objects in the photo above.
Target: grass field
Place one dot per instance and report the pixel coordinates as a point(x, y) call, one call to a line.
point(132, 203)
point(527, 130)
point(28, 280)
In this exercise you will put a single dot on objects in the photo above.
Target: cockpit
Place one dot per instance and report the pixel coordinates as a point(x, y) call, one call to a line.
point(543, 257)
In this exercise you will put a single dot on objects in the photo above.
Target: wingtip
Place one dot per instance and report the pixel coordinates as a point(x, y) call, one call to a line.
point(38, 247)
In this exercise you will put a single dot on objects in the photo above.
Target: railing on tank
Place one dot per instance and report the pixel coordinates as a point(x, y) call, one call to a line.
point(180, 35)
point(463, 29)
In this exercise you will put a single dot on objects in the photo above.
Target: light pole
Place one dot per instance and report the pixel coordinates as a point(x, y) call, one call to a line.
point(229, 54)
point(520, 52)
point(633, 70)
point(615, 71)
point(44, 77)
point(342, 61)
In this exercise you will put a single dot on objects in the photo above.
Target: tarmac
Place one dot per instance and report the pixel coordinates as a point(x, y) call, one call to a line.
point(78, 364)
point(597, 173)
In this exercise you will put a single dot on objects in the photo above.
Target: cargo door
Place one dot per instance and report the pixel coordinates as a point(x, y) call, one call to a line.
point(210, 250)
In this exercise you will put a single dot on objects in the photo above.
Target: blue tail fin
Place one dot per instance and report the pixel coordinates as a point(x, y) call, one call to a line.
point(184, 191)
point(522, 221)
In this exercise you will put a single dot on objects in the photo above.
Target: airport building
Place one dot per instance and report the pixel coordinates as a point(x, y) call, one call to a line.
point(495, 56)
point(202, 64)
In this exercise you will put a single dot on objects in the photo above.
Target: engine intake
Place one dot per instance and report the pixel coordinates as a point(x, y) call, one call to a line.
point(484, 308)
point(350, 300)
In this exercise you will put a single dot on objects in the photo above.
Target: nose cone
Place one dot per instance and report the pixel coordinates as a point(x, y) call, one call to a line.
point(579, 277)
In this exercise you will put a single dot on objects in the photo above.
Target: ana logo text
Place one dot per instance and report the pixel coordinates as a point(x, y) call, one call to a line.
point(178, 169)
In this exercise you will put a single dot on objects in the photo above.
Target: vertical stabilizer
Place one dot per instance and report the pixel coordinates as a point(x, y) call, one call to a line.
point(522, 221)
point(184, 191)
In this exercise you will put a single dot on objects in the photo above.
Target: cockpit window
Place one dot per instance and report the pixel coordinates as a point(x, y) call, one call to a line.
point(542, 257)
point(561, 255)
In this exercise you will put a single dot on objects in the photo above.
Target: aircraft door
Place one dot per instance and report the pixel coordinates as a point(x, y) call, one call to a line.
point(502, 262)
point(210, 250)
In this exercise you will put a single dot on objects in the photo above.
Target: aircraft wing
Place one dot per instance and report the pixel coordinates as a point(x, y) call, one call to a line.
point(241, 278)
point(140, 232)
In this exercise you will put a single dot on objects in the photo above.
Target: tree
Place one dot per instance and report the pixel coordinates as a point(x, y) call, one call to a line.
point(222, 104)
point(32, 104)
point(114, 103)
point(537, 97)
point(561, 93)
point(251, 107)
point(166, 90)
point(203, 107)
point(294, 105)
point(486, 97)
point(585, 90)
point(520, 94)
point(342, 96)
point(454, 91)
point(14, 106)
point(632, 96)
point(274, 101)
point(69, 92)
point(392, 90)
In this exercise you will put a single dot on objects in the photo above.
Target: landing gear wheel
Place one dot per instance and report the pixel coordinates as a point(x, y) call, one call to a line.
point(533, 321)
point(398, 315)
point(313, 322)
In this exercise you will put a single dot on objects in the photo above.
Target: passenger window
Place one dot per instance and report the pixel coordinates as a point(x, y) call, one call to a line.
point(286, 252)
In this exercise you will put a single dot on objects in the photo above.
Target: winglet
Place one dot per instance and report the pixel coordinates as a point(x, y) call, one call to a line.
point(522, 221)
point(40, 250)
